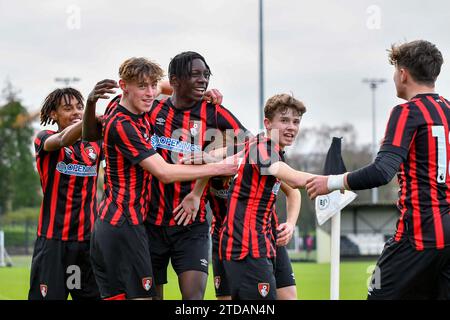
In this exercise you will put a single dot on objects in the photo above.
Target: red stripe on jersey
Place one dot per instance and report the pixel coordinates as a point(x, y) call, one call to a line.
point(401, 224)
point(132, 193)
point(231, 212)
point(444, 121)
point(122, 186)
point(82, 217)
point(68, 209)
point(154, 113)
point(124, 138)
point(400, 127)
point(432, 170)
point(40, 165)
point(227, 116)
point(164, 152)
point(270, 212)
point(259, 187)
point(53, 204)
point(250, 220)
point(415, 199)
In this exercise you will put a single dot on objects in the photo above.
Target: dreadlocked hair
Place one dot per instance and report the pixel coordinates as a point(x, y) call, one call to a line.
point(181, 65)
point(53, 100)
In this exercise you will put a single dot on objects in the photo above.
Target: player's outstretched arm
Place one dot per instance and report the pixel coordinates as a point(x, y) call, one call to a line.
point(92, 131)
point(188, 208)
point(294, 178)
point(169, 173)
point(65, 138)
point(293, 203)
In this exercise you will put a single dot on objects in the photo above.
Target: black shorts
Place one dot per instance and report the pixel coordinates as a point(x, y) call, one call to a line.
point(284, 275)
point(59, 268)
point(402, 272)
point(251, 279)
point(186, 247)
point(221, 285)
point(121, 260)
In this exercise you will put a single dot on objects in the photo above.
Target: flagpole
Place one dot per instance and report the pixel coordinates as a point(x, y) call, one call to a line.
point(335, 255)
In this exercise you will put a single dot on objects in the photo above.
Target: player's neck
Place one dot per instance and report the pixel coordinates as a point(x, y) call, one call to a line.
point(124, 102)
point(181, 102)
point(418, 89)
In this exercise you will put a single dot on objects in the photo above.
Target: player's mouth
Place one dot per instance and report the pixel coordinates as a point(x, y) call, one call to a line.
point(147, 102)
point(75, 120)
point(289, 136)
point(200, 90)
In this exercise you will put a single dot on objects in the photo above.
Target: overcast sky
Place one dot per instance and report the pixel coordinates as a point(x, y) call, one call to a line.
point(318, 50)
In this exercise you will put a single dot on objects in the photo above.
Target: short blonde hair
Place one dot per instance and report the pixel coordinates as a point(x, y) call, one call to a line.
point(139, 70)
point(280, 103)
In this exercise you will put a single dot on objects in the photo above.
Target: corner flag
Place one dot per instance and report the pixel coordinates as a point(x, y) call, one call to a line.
point(329, 206)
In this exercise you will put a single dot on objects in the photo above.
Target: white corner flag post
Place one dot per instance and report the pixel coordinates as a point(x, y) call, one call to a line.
point(335, 255)
point(330, 206)
point(2, 249)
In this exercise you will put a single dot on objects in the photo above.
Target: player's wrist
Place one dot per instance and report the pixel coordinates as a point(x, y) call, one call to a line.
point(336, 182)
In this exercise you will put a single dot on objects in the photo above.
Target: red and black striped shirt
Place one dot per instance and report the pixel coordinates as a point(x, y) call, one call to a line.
point(247, 228)
point(180, 131)
point(218, 201)
point(418, 131)
point(69, 185)
point(126, 142)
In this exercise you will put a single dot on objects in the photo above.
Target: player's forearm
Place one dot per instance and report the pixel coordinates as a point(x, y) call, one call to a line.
point(176, 172)
point(377, 174)
point(91, 130)
point(200, 186)
point(65, 138)
point(294, 178)
point(293, 204)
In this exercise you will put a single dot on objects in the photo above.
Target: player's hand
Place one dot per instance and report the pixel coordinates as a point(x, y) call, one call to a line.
point(101, 90)
point(230, 165)
point(213, 96)
point(199, 157)
point(187, 209)
point(285, 231)
point(317, 186)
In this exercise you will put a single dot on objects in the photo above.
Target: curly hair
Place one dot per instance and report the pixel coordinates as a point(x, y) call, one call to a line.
point(53, 100)
point(139, 70)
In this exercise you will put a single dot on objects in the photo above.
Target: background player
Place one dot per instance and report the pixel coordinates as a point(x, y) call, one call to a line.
point(68, 170)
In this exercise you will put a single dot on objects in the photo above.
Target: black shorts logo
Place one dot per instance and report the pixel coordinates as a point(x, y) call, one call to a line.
point(147, 283)
point(217, 282)
point(263, 289)
point(44, 290)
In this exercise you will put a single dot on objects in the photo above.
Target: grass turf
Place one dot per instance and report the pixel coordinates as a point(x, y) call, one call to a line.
point(313, 281)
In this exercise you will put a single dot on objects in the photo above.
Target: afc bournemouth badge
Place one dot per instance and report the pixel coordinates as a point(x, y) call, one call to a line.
point(194, 127)
point(44, 290)
point(147, 283)
point(91, 153)
point(217, 282)
point(263, 289)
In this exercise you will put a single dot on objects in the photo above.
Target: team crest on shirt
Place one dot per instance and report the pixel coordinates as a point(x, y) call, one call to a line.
point(44, 290)
point(91, 153)
point(217, 282)
point(194, 127)
point(147, 283)
point(263, 289)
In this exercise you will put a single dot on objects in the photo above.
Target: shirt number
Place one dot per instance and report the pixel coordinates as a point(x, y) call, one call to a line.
point(439, 133)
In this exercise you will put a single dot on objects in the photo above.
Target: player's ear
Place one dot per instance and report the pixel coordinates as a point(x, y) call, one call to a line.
point(173, 80)
point(123, 86)
point(267, 124)
point(54, 115)
point(404, 75)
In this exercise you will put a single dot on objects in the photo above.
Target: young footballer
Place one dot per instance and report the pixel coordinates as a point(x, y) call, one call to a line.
point(247, 242)
point(415, 262)
point(67, 168)
point(120, 248)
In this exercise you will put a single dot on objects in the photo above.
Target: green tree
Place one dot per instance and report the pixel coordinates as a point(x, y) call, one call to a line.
point(19, 183)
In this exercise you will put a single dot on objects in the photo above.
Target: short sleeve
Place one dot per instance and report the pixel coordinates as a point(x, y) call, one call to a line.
point(40, 139)
point(131, 142)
